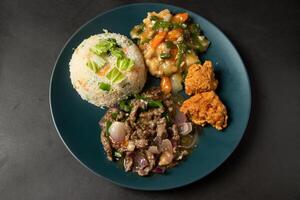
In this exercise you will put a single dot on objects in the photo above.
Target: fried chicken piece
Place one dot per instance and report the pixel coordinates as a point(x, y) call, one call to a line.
point(205, 108)
point(200, 78)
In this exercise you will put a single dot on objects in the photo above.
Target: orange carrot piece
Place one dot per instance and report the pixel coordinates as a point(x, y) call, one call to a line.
point(158, 38)
point(165, 84)
point(174, 34)
point(180, 17)
point(103, 70)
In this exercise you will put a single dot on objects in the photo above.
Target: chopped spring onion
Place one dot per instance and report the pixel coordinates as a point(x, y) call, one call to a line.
point(114, 115)
point(169, 44)
point(179, 25)
point(93, 66)
point(107, 125)
point(161, 24)
point(115, 75)
point(125, 64)
point(117, 52)
point(181, 50)
point(165, 55)
point(104, 46)
point(118, 154)
point(104, 86)
point(140, 28)
point(124, 106)
point(155, 104)
point(154, 18)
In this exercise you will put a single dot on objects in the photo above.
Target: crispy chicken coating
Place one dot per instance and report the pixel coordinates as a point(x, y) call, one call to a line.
point(205, 108)
point(200, 78)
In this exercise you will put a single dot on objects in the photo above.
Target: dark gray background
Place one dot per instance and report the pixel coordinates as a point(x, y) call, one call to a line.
point(34, 164)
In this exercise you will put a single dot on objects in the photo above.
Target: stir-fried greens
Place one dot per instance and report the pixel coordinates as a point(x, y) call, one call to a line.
point(170, 44)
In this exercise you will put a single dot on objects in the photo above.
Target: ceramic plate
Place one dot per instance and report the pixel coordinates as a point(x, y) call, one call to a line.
point(76, 120)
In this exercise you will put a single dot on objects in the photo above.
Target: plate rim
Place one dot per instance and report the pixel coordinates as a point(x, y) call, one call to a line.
point(249, 111)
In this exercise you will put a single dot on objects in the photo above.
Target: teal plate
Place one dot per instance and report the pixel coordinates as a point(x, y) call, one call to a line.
point(76, 120)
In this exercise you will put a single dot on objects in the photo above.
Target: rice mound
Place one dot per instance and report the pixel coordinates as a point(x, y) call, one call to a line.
point(85, 81)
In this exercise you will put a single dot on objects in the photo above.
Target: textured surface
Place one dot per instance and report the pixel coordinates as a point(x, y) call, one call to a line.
point(34, 164)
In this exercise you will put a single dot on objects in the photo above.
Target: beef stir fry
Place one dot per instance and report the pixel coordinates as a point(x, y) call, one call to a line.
point(147, 132)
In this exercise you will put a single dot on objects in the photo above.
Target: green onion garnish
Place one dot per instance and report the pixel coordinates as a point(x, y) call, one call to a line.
point(161, 24)
point(169, 44)
point(154, 18)
point(115, 75)
point(107, 125)
point(118, 154)
point(93, 66)
point(155, 104)
point(125, 64)
point(104, 46)
point(181, 50)
point(104, 86)
point(165, 55)
point(117, 52)
point(124, 106)
point(114, 115)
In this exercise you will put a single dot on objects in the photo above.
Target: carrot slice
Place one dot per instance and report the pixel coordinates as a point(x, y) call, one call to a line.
point(103, 70)
point(180, 17)
point(166, 85)
point(158, 38)
point(174, 34)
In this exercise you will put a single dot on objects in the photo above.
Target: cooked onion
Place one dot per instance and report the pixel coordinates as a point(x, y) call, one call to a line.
point(185, 128)
point(139, 161)
point(193, 141)
point(117, 131)
point(166, 158)
point(166, 145)
point(179, 117)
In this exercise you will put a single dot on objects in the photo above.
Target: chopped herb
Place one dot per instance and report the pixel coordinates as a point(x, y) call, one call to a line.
point(167, 117)
point(181, 50)
point(104, 86)
point(169, 44)
point(93, 66)
point(125, 106)
point(115, 75)
point(96, 63)
point(154, 18)
point(125, 64)
point(117, 52)
point(140, 28)
point(118, 154)
point(138, 96)
point(165, 55)
point(107, 125)
point(104, 46)
point(161, 24)
point(179, 26)
point(155, 104)
point(114, 115)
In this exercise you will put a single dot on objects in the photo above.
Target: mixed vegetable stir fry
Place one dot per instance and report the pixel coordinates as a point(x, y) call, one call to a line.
point(170, 44)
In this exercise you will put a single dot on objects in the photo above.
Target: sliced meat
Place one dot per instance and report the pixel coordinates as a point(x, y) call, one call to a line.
point(106, 145)
point(128, 161)
point(175, 135)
